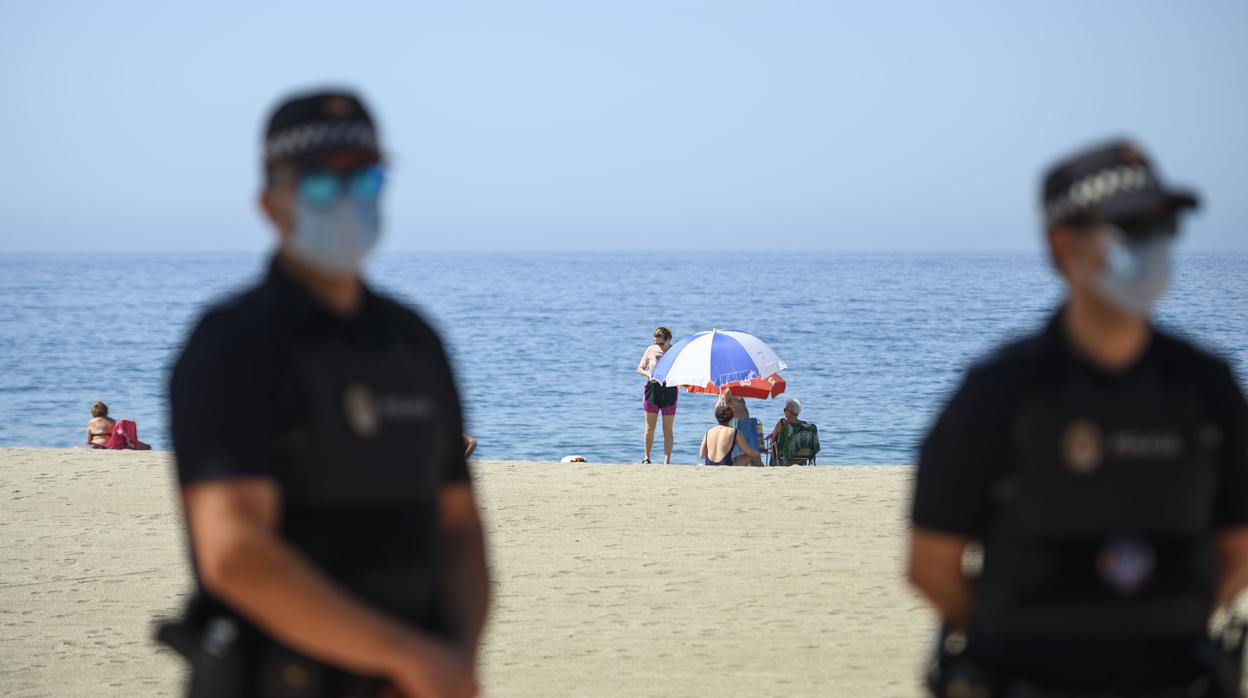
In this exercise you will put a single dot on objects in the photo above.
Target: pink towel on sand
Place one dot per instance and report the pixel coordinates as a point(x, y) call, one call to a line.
point(125, 435)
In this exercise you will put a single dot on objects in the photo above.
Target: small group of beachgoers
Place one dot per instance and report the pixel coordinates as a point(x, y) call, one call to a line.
point(736, 438)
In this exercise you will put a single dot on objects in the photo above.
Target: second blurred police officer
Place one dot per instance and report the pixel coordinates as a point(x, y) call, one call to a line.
point(1100, 463)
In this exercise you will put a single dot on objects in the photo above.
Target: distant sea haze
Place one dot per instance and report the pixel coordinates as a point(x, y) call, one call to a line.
point(545, 346)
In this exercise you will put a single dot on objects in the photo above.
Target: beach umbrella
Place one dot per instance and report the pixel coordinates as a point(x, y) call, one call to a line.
point(709, 362)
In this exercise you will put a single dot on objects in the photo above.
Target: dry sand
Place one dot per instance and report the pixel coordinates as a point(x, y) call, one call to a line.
point(617, 580)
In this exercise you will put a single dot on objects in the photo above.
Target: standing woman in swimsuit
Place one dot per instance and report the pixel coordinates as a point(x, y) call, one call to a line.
point(658, 398)
point(100, 426)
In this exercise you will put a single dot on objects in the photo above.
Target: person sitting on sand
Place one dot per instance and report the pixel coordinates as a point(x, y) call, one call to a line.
point(750, 427)
point(100, 429)
point(100, 426)
point(719, 440)
point(470, 445)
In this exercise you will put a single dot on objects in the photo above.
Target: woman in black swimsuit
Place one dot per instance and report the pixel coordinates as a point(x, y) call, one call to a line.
point(717, 439)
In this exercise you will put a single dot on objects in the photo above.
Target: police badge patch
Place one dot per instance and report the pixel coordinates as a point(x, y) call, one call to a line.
point(361, 409)
point(1082, 447)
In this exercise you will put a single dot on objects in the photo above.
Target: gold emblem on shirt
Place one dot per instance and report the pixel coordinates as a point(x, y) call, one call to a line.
point(1082, 447)
point(361, 409)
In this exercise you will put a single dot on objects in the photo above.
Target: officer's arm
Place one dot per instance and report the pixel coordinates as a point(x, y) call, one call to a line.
point(1231, 510)
point(466, 579)
point(243, 562)
point(936, 572)
point(1233, 564)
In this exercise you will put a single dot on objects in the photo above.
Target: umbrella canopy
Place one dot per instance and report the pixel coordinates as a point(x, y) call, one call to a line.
point(708, 362)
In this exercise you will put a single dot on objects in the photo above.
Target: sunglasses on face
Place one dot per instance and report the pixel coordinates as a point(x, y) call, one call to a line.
point(1144, 228)
point(323, 187)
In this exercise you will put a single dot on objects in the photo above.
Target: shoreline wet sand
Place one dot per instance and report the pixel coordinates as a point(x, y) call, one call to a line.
point(609, 579)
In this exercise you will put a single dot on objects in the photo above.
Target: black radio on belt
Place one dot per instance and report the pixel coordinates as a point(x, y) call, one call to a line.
point(229, 658)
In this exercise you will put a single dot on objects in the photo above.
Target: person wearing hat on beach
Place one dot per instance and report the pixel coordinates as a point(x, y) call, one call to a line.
point(1080, 506)
point(318, 438)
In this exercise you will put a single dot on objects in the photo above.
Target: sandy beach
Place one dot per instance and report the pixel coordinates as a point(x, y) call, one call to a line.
point(611, 580)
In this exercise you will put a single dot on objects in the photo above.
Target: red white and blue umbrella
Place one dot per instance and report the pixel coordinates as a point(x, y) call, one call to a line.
point(709, 362)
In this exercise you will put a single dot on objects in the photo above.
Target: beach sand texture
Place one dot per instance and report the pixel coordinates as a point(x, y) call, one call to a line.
point(613, 580)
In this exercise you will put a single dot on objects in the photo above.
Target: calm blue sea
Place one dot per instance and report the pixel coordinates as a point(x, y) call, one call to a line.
point(545, 345)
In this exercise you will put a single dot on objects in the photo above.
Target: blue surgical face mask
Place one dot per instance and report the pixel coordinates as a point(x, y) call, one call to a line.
point(1136, 272)
point(335, 238)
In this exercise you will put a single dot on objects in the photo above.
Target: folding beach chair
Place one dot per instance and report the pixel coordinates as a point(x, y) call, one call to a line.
point(797, 444)
point(752, 430)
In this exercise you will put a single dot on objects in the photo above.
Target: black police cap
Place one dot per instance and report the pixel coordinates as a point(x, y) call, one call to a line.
point(1110, 182)
point(305, 127)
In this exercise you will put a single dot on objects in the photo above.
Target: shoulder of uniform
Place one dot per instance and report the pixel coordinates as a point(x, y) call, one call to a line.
point(993, 382)
point(1019, 356)
point(242, 319)
point(1180, 347)
point(1182, 355)
point(409, 321)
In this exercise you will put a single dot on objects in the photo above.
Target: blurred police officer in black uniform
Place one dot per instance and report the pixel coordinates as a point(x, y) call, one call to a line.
point(1100, 463)
point(320, 453)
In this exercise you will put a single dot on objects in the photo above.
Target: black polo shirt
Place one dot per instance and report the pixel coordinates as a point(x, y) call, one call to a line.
point(969, 448)
point(356, 418)
point(1096, 496)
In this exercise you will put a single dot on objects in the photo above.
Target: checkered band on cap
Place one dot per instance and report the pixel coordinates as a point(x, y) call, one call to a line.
point(307, 138)
point(1095, 188)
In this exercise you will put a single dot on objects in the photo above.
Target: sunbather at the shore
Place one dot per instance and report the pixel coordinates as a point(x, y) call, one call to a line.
point(719, 440)
point(100, 431)
point(100, 426)
point(751, 429)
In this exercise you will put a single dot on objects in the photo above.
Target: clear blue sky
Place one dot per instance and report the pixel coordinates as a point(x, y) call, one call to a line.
point(619, 125)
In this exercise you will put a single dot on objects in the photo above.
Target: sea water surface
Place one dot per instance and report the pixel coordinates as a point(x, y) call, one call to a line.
point(545, 346)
